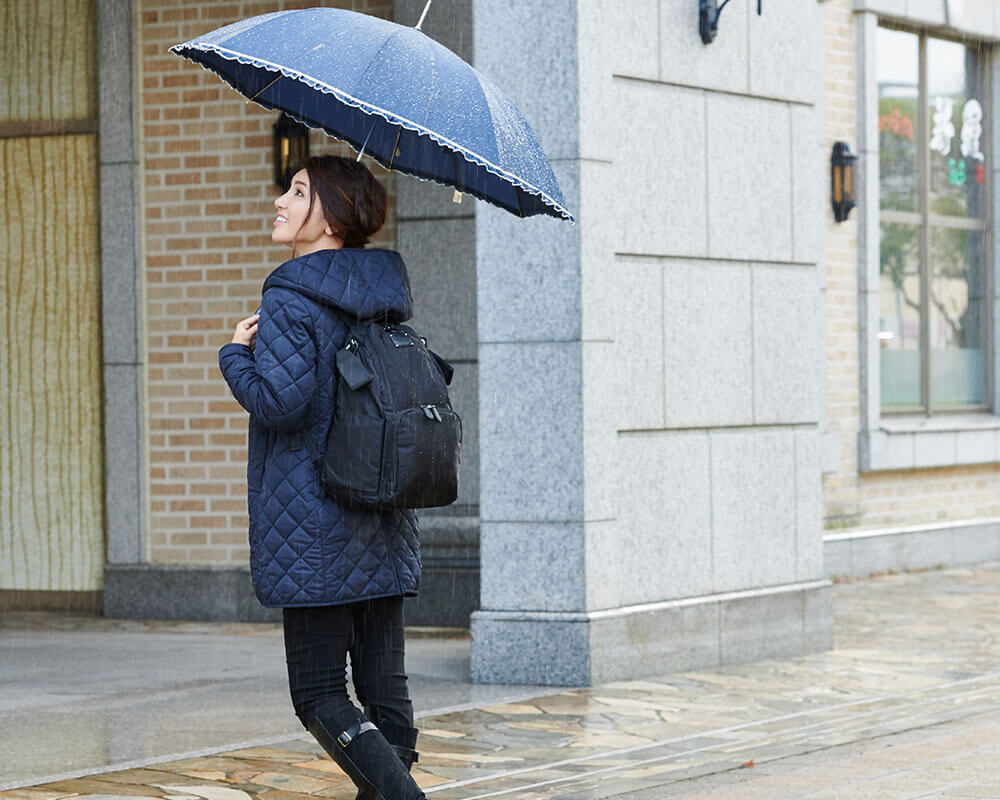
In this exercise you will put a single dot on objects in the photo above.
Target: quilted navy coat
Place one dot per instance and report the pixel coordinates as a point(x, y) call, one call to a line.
point(305, 550)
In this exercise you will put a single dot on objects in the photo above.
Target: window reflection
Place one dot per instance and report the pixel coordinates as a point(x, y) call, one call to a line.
point(899, 316)
point(933, 162)
point(956, 95)
point(957, 317)
point(898, 90)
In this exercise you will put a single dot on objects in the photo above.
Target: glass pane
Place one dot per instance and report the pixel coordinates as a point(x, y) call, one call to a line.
point(956, 91)
point(899, 316)
point(958, 317)
point(898, 78)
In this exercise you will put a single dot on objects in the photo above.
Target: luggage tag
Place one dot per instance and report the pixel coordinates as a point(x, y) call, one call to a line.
point(352, 369)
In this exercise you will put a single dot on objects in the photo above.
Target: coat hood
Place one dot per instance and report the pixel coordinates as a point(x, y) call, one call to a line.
point(364, 283)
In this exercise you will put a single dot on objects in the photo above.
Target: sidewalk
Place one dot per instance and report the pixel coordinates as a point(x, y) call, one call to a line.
point(906, 706)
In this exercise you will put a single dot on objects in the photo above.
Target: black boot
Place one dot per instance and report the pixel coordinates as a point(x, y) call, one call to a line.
point(369, 760)
point(403, 740)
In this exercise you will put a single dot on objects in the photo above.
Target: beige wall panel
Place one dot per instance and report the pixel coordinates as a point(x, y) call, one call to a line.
point(48, 60)
point(51, 471)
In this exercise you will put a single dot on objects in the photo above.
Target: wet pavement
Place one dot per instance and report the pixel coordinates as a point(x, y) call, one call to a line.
point(907, 705)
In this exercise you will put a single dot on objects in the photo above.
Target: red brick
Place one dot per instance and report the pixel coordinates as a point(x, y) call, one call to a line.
point(196, 324)
point(162, 130)
point(182, 146)
point(160, 98)
point(164, 261)
point(159, 489)
point(244, 224)
point(248, 255)
point(178, 14)
point(203, 259)
point(201, 162)
point(207, 423)
point(180, 80)
point(229, 11)
point(184, 210)
point(203, 226)
point(223, 209)
point(182, 178)
point(201, 128)
point(203, 193)
point(186, 341)
point(201, 95)
point(223, 274)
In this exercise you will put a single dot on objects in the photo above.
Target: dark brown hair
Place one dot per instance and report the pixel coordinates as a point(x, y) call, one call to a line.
point(353, 202)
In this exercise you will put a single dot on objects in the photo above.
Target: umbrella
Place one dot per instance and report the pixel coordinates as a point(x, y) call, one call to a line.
point(392, 93)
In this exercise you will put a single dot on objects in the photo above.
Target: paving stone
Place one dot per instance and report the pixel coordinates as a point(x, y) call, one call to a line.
point(903, 672)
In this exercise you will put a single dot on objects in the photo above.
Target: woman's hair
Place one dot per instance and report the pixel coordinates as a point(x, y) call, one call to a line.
point(353, 202)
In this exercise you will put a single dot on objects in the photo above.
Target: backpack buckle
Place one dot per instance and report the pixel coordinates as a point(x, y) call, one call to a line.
point(399, 338)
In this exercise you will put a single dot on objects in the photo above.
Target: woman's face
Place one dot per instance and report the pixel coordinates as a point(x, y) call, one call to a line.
point(295, 226)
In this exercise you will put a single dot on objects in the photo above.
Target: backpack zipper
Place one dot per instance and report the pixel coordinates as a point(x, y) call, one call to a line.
point(431, 412)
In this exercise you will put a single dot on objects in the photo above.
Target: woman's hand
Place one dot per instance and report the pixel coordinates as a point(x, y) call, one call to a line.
point(246, 331)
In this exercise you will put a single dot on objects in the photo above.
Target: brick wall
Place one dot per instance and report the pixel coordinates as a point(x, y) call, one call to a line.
point(841, 496)
point(208, 213)
point(884, 499)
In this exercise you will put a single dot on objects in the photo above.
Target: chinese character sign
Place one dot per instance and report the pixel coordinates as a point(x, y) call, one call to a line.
point(970, 139)
point(944, 129)
point(972, 130)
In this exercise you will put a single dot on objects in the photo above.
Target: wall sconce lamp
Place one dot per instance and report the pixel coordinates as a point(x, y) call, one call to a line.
point(708, 18)
point(291, 149)
point(842, 163)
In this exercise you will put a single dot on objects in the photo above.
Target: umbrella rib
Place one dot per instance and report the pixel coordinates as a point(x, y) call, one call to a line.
point(265, 88)
point(371, 61)
point(395, 146)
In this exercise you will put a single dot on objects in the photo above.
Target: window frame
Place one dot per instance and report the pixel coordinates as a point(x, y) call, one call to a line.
point(924, 220)
point(928, 437)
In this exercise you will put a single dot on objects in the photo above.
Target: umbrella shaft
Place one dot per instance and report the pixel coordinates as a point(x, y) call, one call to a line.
point(361, 152)
point(424, 14)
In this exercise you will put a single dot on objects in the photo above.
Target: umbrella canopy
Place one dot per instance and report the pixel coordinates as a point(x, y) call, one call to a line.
point(391, 92)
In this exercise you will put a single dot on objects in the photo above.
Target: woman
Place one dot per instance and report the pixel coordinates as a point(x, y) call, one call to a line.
point(339, 575)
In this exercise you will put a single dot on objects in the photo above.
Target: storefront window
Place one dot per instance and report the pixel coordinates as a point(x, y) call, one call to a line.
point(933, 163)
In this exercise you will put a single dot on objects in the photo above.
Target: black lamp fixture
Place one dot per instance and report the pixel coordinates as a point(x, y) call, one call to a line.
point(842, 163)
point(708, 18)
point(291, 149)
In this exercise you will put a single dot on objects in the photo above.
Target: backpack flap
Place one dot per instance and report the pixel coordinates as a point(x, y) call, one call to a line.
point(447, 370)
point(351, 368)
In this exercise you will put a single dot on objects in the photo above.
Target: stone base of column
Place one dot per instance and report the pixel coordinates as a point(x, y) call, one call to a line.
point(182, 592)
point(587, 648)
point(449, 590)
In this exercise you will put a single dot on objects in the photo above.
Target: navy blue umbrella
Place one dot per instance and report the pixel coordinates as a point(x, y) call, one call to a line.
point(392, 93)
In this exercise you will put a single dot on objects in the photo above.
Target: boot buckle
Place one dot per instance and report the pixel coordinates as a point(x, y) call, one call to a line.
point(344, 737)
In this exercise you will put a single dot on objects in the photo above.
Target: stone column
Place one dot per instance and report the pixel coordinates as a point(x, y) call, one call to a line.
point(436, 237)
point(532, 627)
point(126, 495)
point(651, 379)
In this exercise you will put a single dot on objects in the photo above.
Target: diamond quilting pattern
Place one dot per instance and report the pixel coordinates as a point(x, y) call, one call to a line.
point(306, 550)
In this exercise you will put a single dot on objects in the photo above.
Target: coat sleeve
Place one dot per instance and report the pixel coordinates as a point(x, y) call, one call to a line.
point(275, 382)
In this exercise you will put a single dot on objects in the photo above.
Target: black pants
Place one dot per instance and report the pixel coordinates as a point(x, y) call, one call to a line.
point(317, 641)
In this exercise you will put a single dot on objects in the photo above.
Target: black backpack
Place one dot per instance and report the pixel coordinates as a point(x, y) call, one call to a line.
point(394, 438)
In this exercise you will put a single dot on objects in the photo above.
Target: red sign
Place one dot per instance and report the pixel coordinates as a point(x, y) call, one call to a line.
point(896, 123)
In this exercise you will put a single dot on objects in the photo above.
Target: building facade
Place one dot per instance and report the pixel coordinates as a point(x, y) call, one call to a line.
point(911, 478)
point(683, 414)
